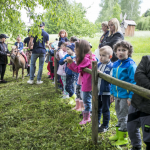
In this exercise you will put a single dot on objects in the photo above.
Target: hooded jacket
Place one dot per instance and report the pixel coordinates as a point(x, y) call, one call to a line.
point(123, 70)
point(86, 77)
point(142, 78)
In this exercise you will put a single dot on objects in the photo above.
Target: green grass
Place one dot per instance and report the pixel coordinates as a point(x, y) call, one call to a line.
point(34, 117)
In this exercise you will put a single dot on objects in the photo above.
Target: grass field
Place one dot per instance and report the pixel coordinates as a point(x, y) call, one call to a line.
point(34, 117)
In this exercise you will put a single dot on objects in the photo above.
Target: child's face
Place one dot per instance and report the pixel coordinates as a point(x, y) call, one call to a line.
point(104, 57)
point(63, 47)
point(122, 53)
point(18, 40)
point(69, 51)
point(62, 34)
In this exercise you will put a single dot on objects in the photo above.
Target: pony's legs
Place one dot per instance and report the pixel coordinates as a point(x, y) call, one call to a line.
point(22, 73)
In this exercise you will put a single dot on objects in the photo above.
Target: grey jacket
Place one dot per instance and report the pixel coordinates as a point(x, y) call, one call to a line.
point(3, 53)
point(142, 78)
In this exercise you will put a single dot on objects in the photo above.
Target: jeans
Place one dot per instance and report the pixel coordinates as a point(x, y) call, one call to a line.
point(87, 96)
point(32, 65)
point(103, 107)
point(69, 84)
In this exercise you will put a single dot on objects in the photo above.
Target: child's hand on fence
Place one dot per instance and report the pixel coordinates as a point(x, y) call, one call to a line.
point(129, 102)
point(111, 98)
point(69, 60)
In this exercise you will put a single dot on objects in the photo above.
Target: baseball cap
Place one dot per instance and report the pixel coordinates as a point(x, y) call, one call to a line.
point(3, 36)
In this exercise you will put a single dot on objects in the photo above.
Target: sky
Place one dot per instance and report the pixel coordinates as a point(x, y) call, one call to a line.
point(93, 11)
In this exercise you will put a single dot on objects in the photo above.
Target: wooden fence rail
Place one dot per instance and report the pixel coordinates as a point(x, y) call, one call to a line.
point(128, 86)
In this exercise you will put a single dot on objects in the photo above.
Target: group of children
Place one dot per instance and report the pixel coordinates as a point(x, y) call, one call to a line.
point(75, 55)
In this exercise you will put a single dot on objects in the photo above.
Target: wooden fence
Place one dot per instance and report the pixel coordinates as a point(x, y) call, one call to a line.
point(95, 75)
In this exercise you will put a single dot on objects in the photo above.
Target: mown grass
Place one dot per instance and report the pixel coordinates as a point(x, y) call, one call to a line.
point(35, 117)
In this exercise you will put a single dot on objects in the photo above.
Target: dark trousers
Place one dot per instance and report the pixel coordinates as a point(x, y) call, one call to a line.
point(103, 108)
point(52, 67)
point(69, 84)
point(2, 70)
point(137, 119)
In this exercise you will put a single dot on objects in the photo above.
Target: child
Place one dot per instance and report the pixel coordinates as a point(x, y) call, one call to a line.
point(139, 111)
point(61, 69)
point(70, 76)
point(104, 66)
point(73, 39)
point(63, 36)
point(84, 58)
point(19, 44)
point(124, 70)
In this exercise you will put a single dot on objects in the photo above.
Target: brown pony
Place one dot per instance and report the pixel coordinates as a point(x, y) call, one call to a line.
point(18, 61)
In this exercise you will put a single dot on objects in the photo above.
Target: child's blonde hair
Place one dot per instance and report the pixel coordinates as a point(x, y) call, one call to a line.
point(116, 24)
point(61, 31)
point(107, 49)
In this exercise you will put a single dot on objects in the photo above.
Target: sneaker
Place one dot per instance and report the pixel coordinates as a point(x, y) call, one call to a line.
point(39, 82)
point(102, 129)
point(30, 81)
point(34, 75)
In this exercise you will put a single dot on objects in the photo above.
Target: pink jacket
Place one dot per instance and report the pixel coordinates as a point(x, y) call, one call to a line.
point(86, 77)
point(61, 68)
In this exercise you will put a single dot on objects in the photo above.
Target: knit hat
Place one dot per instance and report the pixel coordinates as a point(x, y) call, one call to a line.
point(3, 36)
point(72, 46)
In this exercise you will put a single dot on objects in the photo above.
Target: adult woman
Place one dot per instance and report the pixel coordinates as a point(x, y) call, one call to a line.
point(106, 32)
point(103, 37)
point(3, 57)
point(114, 36)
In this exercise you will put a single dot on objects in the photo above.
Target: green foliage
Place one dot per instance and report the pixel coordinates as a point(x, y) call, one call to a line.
point(131, 8)
point(116, 11)
point(143, 23)
point(71, 17)
point(111, 9)
point(147, 13)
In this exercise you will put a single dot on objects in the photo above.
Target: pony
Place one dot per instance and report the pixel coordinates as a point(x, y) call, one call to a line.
point(18, 61)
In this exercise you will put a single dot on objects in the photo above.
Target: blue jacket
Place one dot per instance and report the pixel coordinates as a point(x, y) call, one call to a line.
point(104, 86)
point(123, 70)
point(20, 46)
point(67, 70)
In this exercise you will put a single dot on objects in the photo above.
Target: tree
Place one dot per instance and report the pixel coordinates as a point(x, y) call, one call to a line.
point(116, 11)
point(71, 17)
point(131, 8)
point(107, 10)
point(10, 17)
point(147, 13)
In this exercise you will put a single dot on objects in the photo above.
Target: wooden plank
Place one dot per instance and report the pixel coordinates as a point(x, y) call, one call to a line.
point(94, 102)
point(128, 86)
point(55, 71)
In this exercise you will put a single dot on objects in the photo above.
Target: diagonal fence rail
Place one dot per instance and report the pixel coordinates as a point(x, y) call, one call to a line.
point(95, 75)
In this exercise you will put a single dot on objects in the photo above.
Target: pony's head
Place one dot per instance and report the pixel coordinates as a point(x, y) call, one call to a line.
point(14, 52)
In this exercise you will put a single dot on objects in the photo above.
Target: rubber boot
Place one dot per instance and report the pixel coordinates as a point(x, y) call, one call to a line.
point(77, 105)
point(86, 117)
point(122, 140)
point(81, 106)
point(115, 137)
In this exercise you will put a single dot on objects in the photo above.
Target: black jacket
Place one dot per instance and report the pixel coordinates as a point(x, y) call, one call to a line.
point(3, 53)
point(111, 41)
point(142, 78)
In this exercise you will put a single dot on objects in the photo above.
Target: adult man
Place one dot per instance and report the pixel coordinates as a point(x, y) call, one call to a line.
point(28, 53)
point(3, 57)
point(38, 51)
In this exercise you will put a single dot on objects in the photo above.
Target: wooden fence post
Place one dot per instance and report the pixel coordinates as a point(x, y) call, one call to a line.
point(55, 71)
point(94, 102)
